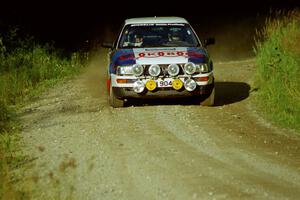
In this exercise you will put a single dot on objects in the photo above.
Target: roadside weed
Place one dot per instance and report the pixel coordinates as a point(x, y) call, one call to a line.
point(278, 72)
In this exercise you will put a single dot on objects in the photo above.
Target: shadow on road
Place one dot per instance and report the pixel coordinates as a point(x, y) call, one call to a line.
point(230, 92)
point(226, 93)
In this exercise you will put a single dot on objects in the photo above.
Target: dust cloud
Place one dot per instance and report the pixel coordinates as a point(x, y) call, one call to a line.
point(235, 38)
point(94, 76)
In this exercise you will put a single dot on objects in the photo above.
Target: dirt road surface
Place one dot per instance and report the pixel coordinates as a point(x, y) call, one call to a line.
point(84, 149)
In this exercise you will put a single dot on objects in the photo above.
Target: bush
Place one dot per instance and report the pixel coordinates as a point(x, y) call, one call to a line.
point(25, 67)
point(278, 59)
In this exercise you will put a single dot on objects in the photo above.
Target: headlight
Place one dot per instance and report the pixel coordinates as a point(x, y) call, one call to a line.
point(203, 68)
point(173, 69)
point(137, 69)
point(124, 70)
point(190, 68)
point(154, 70)
point(138, 86)
point(190, 85)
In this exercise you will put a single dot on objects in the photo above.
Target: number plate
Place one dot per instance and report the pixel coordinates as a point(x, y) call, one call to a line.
point(164, 83)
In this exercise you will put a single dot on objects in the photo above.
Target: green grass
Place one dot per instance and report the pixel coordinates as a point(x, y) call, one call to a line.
point(278, 73)
point(26, 69)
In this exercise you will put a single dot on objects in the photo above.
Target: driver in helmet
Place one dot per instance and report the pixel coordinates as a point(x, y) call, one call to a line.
point(175, 36)
point(137, 40)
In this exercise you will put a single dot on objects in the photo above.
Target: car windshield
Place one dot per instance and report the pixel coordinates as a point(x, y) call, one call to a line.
point(158, 35)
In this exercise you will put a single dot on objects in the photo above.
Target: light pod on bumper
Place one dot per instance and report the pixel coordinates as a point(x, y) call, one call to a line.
point(154, 70)
point(138, 86)
point(151, 85)
point(190, 68)
point(173, 69)
point(137, 69)
point(190, 85)
point(177, 84)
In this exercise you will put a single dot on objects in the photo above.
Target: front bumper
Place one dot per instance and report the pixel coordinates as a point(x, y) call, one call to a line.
point(126, 93)
point(125, 90)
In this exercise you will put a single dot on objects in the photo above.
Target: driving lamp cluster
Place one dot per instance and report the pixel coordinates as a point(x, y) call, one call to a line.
point(154, 70)
point(173, 70)
point(139, 86)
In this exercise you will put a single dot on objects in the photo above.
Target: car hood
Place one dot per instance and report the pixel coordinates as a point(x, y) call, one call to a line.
point(148, 56)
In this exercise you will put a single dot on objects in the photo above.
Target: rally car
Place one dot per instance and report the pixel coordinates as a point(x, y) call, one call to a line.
point(159, 57)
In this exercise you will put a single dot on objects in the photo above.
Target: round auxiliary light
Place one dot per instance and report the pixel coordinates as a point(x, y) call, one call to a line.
point(137, 69)
point(154, 70)
point(138, 86)
point(190, 68)
point(151, 85)
point(190, 85)
point(173, 69)
point(177, 84)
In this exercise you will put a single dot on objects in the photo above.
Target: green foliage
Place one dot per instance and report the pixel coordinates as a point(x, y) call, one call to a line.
point(278, 60)
point(25, 67)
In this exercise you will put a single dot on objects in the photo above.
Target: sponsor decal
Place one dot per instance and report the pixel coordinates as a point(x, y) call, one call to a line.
point(141, 24)
point(193, 54)
point(161, 49)
point(155, 54)
point(157, 24)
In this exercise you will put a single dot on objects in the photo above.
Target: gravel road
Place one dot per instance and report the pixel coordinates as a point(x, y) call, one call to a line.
point(84, 149)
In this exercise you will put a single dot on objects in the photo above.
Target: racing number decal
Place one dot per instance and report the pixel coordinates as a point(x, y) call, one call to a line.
point(165, 84)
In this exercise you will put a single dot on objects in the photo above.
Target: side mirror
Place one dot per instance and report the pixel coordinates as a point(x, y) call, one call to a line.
point(209, 41)
point(107, 45)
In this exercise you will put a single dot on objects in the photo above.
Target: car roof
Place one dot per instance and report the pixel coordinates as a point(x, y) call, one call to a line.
point(156, 20)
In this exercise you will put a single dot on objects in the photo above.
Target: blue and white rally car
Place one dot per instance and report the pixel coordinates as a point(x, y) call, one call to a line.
point(159, 57)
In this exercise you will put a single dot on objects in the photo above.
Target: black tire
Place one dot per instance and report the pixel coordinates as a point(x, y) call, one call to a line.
point(210, 100)
point(113, 100)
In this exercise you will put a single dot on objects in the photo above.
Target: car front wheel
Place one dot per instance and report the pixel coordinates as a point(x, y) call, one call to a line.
point(210, 100)
point(113, 100)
